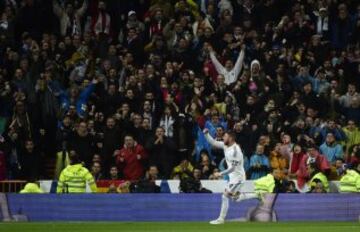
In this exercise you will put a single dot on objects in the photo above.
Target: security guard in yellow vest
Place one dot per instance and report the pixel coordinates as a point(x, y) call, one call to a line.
point(350, 182)
point(265, 184)
point(316, 177)
point(31, 187)
point(74, 177)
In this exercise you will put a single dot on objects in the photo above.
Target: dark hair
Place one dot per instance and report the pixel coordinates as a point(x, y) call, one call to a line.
point(231, 134)
point(74, 158)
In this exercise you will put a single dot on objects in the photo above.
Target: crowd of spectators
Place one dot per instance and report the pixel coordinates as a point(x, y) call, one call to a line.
point(129, 86)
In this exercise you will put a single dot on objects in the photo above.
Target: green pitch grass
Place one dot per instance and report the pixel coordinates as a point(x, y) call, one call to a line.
point(181, 227)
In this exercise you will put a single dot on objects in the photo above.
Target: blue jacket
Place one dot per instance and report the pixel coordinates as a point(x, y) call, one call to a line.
point(256, 172)
point(81, 101)
point(331, 152)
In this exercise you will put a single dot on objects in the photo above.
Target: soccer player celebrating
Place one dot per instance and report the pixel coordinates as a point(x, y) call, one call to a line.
point(235, 163)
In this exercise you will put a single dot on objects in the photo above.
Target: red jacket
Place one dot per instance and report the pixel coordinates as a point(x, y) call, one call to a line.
point(303, 175)
point(128, 162)
point(295, 161)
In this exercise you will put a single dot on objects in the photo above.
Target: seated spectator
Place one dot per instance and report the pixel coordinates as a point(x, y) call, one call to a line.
point(96, 171)
point(205, 166)
point(130, 159)
point(259, 163)
point(114, 173)
point(291, 187)
point(152, 173)
point(331, 149)
point(213, 176)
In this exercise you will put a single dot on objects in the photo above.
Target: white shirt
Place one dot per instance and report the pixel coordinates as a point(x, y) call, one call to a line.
point(232, 75)
point(234, 159)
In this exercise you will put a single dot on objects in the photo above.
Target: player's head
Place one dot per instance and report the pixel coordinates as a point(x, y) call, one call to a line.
point(74, 158)
point(229, 138)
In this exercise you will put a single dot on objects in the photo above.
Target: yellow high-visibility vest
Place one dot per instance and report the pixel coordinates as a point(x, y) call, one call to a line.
point(73, 179)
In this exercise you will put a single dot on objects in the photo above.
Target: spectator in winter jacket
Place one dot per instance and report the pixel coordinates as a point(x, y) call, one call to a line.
point(162, 152)
point(130, 159)
point(332, 127)
point(259, 163)
point(83, 143)
point(312, 156)
point(297, 155)
point(30, 161)
point(331, 149)
point(277, 161)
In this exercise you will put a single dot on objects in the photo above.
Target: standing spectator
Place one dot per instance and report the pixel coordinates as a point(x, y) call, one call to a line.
point(30, 161)
point(114, 173)
point(101, 21)
point(70, 18)
point(83, 143)
point(162, 152)
point(96, 171)
point(167, 122)
point(130, 159)
point(111, 141)
point(259, 163)
point(331, 149)
point(230, 71)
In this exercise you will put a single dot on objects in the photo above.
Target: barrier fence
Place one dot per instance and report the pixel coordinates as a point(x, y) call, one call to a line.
point(11, 186)
point(167, 186)
point(180, 207)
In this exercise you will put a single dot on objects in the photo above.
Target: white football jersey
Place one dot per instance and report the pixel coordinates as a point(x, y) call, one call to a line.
point(234, 159)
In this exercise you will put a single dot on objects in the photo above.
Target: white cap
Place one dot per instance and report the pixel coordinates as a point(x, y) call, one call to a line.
point(131, 13)
point(322, 9)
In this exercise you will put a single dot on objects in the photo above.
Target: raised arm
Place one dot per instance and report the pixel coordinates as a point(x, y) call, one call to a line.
point(212, 141)
point(218, 66)
point(57, 8)
point(239, 62)
point(82, 9)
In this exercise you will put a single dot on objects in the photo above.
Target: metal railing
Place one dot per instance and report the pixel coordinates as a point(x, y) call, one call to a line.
point(11, 186)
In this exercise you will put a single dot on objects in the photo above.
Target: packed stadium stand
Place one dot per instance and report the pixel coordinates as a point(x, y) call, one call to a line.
point(129, 86)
